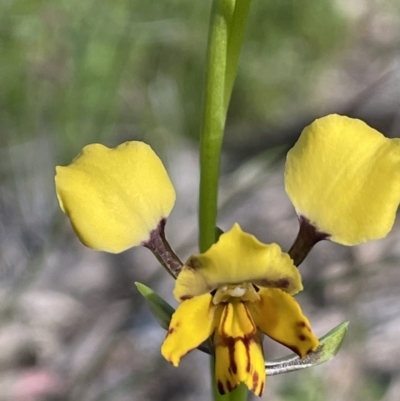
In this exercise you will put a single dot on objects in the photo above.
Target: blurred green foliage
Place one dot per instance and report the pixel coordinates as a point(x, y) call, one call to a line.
point(106, 71)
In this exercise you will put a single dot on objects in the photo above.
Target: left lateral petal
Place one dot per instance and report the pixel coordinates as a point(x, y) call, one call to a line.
point(278, 315)
point(237, 257)
point(238, 351)
point(344, 177)
point(191, 324)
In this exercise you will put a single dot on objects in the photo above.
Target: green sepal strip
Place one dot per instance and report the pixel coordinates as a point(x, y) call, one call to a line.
point(328, 347)
point(160, 308)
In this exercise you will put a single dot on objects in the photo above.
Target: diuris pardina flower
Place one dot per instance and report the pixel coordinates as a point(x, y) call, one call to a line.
point(237, 288)
point(343, 178)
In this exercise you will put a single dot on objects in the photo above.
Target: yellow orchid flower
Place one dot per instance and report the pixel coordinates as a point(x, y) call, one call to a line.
point(116, 197)
point(237, 287)
point(344, 178)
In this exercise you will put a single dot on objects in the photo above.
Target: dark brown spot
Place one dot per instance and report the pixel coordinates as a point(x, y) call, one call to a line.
point(229, 386)
point(246, 341)
point(170, 331)
point(229, 342)
point(283, 283)
point(232, 362)
point(295, 349)
point(248, 366)
point(303, 325)
point(302, 337)
point(261, 389)
point(186, 297)
point(193, 263)
point(155, 235)
point(312, 229)
point(256, 378)
point(307, 237)
point(220, 387)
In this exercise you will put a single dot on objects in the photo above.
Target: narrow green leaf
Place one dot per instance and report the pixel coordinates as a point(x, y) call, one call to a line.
point(329, 345)
point(160, 308)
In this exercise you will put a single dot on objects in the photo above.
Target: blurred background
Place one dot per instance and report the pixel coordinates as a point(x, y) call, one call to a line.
point(73, 326)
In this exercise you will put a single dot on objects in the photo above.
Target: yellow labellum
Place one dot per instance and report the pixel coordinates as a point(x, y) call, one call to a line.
point(344, 177)
point(239, 356)
point(115, 197)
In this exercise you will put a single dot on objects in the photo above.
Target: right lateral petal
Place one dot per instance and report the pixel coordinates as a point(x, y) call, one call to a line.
point(279, 316)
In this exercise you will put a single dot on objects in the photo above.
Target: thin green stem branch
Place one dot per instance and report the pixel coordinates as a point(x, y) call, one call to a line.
point(235, 42)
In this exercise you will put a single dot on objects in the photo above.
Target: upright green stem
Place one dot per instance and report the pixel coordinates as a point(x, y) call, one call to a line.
point(227, 25)
point(212, 130)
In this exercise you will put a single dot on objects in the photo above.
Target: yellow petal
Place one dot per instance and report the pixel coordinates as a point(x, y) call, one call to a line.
point(115, 197)
point(278, 315)
point(237, 257)
point(238, 352)
point(192, 323)
point(344, 177)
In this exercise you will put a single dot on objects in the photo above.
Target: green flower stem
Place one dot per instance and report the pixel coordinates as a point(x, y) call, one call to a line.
point(227, 25)
point(212, 130)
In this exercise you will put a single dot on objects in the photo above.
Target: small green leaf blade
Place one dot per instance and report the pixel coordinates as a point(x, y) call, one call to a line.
point(328, 347)
point(160, 308)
